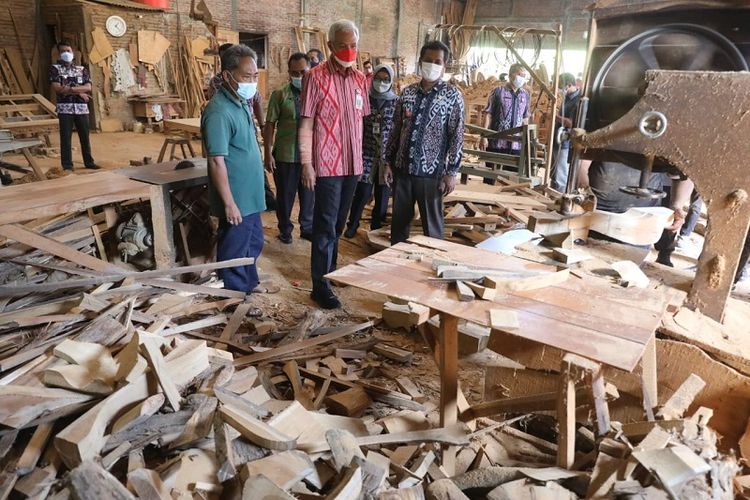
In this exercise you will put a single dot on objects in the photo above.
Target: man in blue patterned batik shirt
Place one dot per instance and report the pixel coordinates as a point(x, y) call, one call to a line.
point(425, 148)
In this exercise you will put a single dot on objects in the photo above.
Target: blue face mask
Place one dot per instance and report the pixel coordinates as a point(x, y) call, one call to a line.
point(245, 90)
point(297, 82)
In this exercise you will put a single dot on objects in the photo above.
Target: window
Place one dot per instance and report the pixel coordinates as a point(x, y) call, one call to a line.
point(259, 43)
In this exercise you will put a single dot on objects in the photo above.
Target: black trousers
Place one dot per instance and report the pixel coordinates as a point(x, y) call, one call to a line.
point(333, 198)
point(81, 122)
point(362, 197)
point(425, 192)
point(270, 199)
point(287, 177)
point(744, 258)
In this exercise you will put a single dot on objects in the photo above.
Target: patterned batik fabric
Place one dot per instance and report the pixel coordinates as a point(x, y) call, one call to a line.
point(377, 131)
point(508, 110)
point(428, 131)
point(336, 98)
point(70, 76)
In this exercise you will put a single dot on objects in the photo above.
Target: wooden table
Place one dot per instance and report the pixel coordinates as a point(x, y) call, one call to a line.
point(164, 179)
point(611, 326)
point(23, 146)
point(186, 125)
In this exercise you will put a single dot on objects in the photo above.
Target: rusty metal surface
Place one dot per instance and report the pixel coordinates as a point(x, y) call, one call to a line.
point(707, 139)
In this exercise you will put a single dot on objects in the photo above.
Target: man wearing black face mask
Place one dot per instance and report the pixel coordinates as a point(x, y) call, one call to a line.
point(72, 85)
point(315, 56)
point(235, 169)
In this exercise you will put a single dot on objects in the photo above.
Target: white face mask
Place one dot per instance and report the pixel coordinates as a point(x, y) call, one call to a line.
point(345, 64)
point(519, 81)
point(431, 72)
point(381, 87)
point(67, 57)
point(246, 90)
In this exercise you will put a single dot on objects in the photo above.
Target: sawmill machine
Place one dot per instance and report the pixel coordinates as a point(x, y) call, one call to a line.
point(667, 87)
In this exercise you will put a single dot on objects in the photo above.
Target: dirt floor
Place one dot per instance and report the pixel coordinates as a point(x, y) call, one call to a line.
point(288, 266)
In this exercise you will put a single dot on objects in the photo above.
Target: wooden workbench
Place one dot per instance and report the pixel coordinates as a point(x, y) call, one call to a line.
point(609, 325)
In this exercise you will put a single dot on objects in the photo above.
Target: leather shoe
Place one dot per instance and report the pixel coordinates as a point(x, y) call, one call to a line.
point(285, 238)
point(350, 232)
point(93, 167)
point(326, 299)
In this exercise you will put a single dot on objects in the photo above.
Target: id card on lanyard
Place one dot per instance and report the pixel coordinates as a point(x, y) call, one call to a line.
point(359, 102)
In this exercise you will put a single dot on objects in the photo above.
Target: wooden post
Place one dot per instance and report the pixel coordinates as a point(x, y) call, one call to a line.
point(553, 111)
point(566, 416)
point(648, 370)
point(33, 164)
point(161, 220)
point(448, 382)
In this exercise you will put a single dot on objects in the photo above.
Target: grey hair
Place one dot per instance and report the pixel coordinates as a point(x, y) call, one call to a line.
point(342, 25)
point(230, 58)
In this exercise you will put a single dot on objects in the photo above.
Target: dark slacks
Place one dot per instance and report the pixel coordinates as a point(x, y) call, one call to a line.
point(242, 240)
point(694, 213)
point(287, 177)
point(270, 198)
point(744, 258)
point(333, 198)
point(425, 192)
point(362, 197)
point(81, 122)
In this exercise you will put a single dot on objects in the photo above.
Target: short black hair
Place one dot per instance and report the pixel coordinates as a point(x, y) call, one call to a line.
point(320, 54)
point(435, 45)
point(230, 58)
point(515, 67)
point(503, 76)
point(297, 56)
point(367, 62)
point(567, 79)
point(224, 46)
point(63, 43)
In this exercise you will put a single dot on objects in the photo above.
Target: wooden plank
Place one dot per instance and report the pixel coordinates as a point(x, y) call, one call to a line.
point(291, 369)
point(683, 397)
point(566, 416)
point(23, 235)
point(283, 469)
point(305, 344)
point(448, 364)
point(350, 403)
point(234, 323)
point(89, 481)
point(155, 359)
point(34, 449)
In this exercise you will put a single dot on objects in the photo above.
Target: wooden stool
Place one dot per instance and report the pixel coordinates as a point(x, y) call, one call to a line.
point(174, 141)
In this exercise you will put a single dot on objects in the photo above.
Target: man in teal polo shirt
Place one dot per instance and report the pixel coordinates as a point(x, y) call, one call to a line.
point(235, 169)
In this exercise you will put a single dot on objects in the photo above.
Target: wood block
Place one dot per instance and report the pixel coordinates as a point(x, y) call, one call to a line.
point(349, 487)
point(465, 294)
point(393, 352)
point(410, 388)
point(336, 365)
point(404, 315)
point(403, 454)
point(570, 256)
point(482, 292)
point(89, 481)
point(472, 338)
point(673, 465)
point(630, 274)
point(683, 397)
point(284, 469)
point(139, 413)
point(155, 359)
point(350, 403)
point(504, 319)
point(350, 354)
point(146, 483)
point(343, 448)
point(259, 486)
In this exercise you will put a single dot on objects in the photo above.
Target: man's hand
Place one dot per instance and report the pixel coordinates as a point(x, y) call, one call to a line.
point(483, 144)
point(447, 184)
point(270, 163)
point(679, 219)
point(567, 123)
point(85, 97)
point(233, 215)
point(388, 175)
point(308, 176)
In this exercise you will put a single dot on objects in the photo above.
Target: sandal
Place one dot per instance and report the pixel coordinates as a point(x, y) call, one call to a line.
point(266, 289)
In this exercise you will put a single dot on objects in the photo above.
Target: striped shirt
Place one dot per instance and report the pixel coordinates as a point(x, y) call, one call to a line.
point(336, 98)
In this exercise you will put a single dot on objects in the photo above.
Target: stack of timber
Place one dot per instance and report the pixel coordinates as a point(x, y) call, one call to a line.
point(27, 114)
point(192, 72)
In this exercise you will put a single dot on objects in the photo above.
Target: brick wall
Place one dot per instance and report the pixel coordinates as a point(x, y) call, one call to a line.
point(377, 22)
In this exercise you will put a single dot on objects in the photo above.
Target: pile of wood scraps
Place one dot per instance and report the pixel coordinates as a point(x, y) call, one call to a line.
point(475, 212)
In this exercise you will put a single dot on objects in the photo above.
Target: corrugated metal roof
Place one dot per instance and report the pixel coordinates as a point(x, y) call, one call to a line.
point(125, 4)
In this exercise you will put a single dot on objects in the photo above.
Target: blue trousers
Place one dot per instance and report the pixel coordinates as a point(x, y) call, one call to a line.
point(242, 240)
point(333, 197)
point(288, 185)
